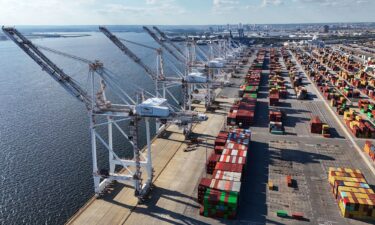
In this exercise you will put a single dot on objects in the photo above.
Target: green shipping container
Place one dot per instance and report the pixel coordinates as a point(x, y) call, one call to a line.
point(220, 203)
point(282, 213)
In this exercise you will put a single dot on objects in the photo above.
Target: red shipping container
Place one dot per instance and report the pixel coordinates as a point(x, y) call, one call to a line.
point(211, 163)
point(226, 175)
point(232, 159)
point(234, 145)
point(220, 141)
point(234, 152)
point(202, 187)
point(238, 168)
point(219, 149)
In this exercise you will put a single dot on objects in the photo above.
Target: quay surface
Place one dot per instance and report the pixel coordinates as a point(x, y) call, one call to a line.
point(299, 153)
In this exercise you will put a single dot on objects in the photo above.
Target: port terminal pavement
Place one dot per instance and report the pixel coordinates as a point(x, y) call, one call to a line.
point(304, 156)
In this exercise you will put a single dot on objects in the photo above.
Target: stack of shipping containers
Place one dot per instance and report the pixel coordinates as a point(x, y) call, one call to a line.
point(219, 191)
point(336, 89)
point(354, 196)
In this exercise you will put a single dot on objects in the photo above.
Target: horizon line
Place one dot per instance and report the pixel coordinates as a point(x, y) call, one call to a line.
point(186, 24)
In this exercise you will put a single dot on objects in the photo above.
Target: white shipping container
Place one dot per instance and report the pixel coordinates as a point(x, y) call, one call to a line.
point(227, 175)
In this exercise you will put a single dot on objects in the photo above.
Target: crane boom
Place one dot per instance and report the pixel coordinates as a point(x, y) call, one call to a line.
point(128, 52)
point(163, 35)
point(153, 35)
point(83, 60)
point(66, 81)
point(139, 44)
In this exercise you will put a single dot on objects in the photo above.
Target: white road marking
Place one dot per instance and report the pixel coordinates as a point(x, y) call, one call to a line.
point(364, 157)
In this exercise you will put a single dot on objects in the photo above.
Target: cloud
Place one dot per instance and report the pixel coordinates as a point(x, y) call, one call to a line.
point(77, 12)
point(45, 11)
point(224, 6)
point(82, 12)
point(154, 2)
point(266, 3)
point(152, 8)
point(224, 2)
point(341, 3)
point(151, 2)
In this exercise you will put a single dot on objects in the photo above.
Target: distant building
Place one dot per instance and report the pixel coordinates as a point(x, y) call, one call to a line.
point(241, 33)
point(315, 41)
point(326, 29)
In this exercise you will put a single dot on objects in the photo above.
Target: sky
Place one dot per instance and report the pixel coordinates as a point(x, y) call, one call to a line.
point(182, 12)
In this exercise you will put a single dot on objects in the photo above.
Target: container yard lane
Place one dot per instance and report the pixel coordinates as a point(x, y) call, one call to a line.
point(176, 176)
point(283, 175)
point(288, 174)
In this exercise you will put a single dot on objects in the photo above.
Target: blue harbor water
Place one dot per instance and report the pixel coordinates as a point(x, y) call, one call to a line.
point(45, 155)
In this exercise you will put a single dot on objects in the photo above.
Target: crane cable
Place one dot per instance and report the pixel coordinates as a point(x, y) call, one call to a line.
point(139, 44)
point(83, 60)
point(174, 68)
point(110, 78)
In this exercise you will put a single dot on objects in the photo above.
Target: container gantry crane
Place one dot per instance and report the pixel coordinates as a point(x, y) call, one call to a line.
point(214, 66)
point(102, 109)
point(168, 40)
point(180, 57)
point(185, 61)
point(159, 78)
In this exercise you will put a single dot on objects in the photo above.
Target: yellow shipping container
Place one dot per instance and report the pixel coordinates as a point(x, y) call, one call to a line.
point(353, 124)
point(356, 190)
point(332, 103)
point(347, 114)
point(345, 174)
point(350, 179)
point(350, 184)
point(359, 196)
point(342, 169)
point(359, 210)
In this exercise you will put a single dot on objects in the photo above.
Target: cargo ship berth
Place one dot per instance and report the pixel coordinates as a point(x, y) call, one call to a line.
point(286, 178)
